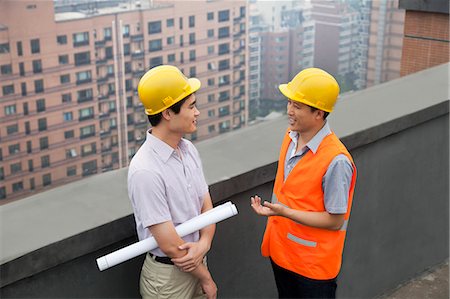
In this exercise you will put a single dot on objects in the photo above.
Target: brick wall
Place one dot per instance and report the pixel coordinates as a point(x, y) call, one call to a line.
point(426, 41)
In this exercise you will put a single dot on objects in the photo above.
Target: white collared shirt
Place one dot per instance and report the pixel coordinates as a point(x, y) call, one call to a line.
point(164, 187)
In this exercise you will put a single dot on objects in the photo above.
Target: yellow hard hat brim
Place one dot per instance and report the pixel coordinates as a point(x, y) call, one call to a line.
point(291, 96)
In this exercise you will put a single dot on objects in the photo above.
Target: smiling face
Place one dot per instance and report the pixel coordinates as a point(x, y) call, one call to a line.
point(185, 122)
point(302, 119)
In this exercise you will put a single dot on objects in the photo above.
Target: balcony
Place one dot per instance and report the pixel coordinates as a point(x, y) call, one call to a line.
point(398, 226)
point(137, 37)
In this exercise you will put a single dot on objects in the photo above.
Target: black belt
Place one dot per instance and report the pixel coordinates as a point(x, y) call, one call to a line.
point(162, 259)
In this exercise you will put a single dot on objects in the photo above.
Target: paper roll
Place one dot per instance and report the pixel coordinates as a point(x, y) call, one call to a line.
point(212, 216)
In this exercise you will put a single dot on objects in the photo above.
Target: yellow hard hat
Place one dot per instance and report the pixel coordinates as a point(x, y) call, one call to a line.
point(163, 86)
point(313, 87)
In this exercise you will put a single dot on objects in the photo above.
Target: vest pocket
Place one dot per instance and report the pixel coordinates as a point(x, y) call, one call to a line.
point(301, 241)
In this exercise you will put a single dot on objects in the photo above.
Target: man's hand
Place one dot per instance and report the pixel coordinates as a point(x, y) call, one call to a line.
point(209, 288)
point(268, 209)
point(194, 256)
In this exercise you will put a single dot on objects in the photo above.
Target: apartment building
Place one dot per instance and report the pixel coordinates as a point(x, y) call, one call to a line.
point(287, 45)
point(385, 42)
point(69, 106)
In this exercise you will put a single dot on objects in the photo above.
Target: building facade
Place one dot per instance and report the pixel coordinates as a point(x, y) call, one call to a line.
point(69, 106)
point(385, 42)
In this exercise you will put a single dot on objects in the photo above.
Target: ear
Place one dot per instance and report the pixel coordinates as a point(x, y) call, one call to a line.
point(166, 114)
point(319, 114)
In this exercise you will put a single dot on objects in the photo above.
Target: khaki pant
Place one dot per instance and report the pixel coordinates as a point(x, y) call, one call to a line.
point(160, 281)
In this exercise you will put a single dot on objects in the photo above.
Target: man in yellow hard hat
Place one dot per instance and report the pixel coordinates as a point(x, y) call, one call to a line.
point(312, 195)
point(167, 187)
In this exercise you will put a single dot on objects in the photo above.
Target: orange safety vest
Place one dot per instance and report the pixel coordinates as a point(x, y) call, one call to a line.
point(311, 252)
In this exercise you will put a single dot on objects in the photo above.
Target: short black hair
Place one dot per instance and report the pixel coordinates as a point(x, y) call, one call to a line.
point(156, 118)
point(325, 114)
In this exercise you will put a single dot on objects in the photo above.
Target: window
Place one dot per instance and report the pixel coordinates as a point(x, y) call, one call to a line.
point(192, 38)
point(210, 16)
point(35, 46)
point(87, 131)
point(80, 39)
point(4, 48)
point(224, 80)
point(192, 71)
point(211, 98)
point(224, 15)
point(19, 49)
point(38, 86)
point(242, 11)
point(224, 64)
point(211, 113)
point(6, 69)
point(224, 32)
point(107, 33)
point(66, 97)
point(126, 49)
point(42, 124)
point(156, 61)
point(191, 21)
point(21, 69)
point(25, 108)
point(2, 192)
point(211, 82)
point(224, 96)
point(61, 39)
point(154, 27)
point(12, 129)
point(83, 77)
point(27, 128)
point(108, 52)
point(2, 174)
point(40, 105)
point(126, 30)
point(10, 109)
point(23, 88)
point(37, 66)
point(43, 143)
point(71, 171)
point(8, 89)
point(14, 148)
point(155, 45)
point(32, 184)
point(67, 116)
point(192, 55)
point(30, 165)
point(89, 167)
point(63, 59)
point(17, 186)
point(170, 40)
point(71, 153)
point(170, 22)
point(210, 33)
point(84, 95)
point(210, 50)
point(69, 134)
point(45, 161)
point(171, 58)
point(16, 167)
point(46, 179)
point(86, 113)
point(181, 40)
point(64, 79)
point(181, 23)
point(88, 149)
point(82, 58)
point(224, 48)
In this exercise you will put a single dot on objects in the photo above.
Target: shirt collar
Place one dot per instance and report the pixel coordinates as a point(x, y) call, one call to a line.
point(314, 143)
point(164, 150)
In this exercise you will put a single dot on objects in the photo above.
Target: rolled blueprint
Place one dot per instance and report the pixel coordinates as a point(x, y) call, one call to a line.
point(212, 216)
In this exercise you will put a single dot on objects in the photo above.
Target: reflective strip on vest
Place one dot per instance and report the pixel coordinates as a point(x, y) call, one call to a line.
point(301, 241)
point(344, 225)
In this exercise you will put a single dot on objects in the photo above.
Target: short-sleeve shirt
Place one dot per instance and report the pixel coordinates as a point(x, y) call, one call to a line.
point(164, 187)
point(337, 179)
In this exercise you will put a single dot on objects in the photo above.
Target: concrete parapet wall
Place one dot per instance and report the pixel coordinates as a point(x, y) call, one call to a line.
point(398, 227)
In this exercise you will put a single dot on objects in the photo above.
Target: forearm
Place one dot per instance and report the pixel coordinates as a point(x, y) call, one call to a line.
point(323, 220)
point(207, 235)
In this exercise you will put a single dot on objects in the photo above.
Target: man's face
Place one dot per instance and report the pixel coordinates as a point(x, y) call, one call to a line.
point(300, 117)
point(185, 121)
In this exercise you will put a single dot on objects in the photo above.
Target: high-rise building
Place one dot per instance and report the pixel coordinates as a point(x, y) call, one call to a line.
point(338, 46)
point(385, 42)
point(69, 73)
point(287, 45)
